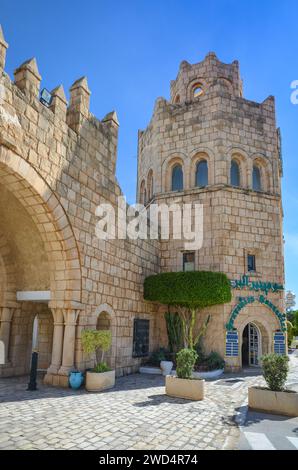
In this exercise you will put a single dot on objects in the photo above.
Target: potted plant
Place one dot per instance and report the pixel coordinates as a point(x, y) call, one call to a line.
point(97, 342)
point(184, 385)
point(275, 398)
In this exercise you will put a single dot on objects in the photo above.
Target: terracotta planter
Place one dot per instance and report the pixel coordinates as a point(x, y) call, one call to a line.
point(98, 381)
point(191, 389)
point(282, 403)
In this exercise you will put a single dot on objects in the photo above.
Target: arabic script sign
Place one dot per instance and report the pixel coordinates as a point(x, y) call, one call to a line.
point(257, 286)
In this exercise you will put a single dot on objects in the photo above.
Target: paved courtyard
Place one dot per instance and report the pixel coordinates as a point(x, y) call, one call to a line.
point(136, 414)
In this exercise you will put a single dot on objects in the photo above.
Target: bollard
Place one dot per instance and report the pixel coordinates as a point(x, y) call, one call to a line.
point(33, 372)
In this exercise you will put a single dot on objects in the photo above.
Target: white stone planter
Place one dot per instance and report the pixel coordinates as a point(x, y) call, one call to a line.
point(282, 403)
point(190, 389)
point(98, 381)
point(212, 374)
point(166, 367)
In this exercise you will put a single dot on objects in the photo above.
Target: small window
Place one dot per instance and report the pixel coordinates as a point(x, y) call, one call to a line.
point(140, 338)
point(189, 261)
point(197, 90)
point(202, 174)
point(251, 263)
point(256, 178)
point(177, 178)
point(235, 173)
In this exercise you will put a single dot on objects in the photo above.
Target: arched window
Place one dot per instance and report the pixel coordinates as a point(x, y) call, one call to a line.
point(177, 178)
point(177, 99)
point(142, 193)
point(202, 173)
point(256, 178)
point(150, 185)
point(235, 173)
point(197, 90)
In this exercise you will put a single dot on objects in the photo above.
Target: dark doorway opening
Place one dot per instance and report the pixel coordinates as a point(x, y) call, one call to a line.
point(245, 347)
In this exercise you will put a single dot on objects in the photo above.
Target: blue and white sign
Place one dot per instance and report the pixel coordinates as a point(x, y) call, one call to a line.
point(279, 342)
point(232, 343)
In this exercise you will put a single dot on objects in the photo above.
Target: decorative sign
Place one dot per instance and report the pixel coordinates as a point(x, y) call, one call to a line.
point(243, 301)
point(257, 286)
point(279, 342)
point(232, 343)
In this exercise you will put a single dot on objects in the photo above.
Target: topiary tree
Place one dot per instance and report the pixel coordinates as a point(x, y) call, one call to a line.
point(94, 341)
point(189, 292)
point(275, 370)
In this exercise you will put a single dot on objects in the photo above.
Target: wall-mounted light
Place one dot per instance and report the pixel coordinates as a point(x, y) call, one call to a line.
point(45, 97)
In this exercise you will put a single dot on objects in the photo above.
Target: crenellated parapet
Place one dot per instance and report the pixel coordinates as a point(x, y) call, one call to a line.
point(195, 79)
point(24, 118)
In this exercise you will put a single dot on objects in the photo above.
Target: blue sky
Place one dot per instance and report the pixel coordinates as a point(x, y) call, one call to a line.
point(130, 50)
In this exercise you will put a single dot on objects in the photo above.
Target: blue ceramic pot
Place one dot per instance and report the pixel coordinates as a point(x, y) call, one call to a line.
point(75, 380)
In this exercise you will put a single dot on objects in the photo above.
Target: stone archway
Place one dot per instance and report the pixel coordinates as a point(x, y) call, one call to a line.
point(44, 253)
point(265, 321)
point(106, 320)
point(31, 191)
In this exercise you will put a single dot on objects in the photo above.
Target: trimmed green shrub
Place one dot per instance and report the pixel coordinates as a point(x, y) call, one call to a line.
point(94, 341)
point(189, 292)
point(186, 359)
point(194, 289)
point(275, 370)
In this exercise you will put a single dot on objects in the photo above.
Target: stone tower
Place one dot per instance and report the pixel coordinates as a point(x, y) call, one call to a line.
point(210, 145)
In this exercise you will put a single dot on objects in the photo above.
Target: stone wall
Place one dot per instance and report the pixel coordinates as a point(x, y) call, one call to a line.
point(58, 163)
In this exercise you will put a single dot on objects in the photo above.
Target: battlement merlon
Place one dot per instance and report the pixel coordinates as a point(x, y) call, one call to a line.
point(204, 74)
point(3, 49)
point(23, 93)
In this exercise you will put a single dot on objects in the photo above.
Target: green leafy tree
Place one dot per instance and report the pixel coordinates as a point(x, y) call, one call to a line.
point(97, 342)
point(189, 292)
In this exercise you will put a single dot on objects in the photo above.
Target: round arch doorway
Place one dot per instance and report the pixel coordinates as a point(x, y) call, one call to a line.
point(251, 346)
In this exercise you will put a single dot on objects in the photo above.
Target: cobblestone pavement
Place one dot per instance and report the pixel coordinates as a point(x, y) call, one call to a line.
point(136, 414)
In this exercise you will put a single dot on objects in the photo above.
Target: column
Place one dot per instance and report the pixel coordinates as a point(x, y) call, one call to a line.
point(6, 319)
point(57, 341)
point(70, 319)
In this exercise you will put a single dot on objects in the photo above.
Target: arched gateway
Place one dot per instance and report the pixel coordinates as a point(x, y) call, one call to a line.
point(41, 270)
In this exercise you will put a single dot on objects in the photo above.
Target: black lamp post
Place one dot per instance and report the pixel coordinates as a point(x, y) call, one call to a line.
point(32, 385)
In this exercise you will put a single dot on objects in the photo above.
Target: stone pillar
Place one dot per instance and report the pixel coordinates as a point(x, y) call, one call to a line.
point(27, 78)
point(57, 341)
point(6, 319)
point(70, 319)
point(59, 102)
point(78, 109)
point(3, 48)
